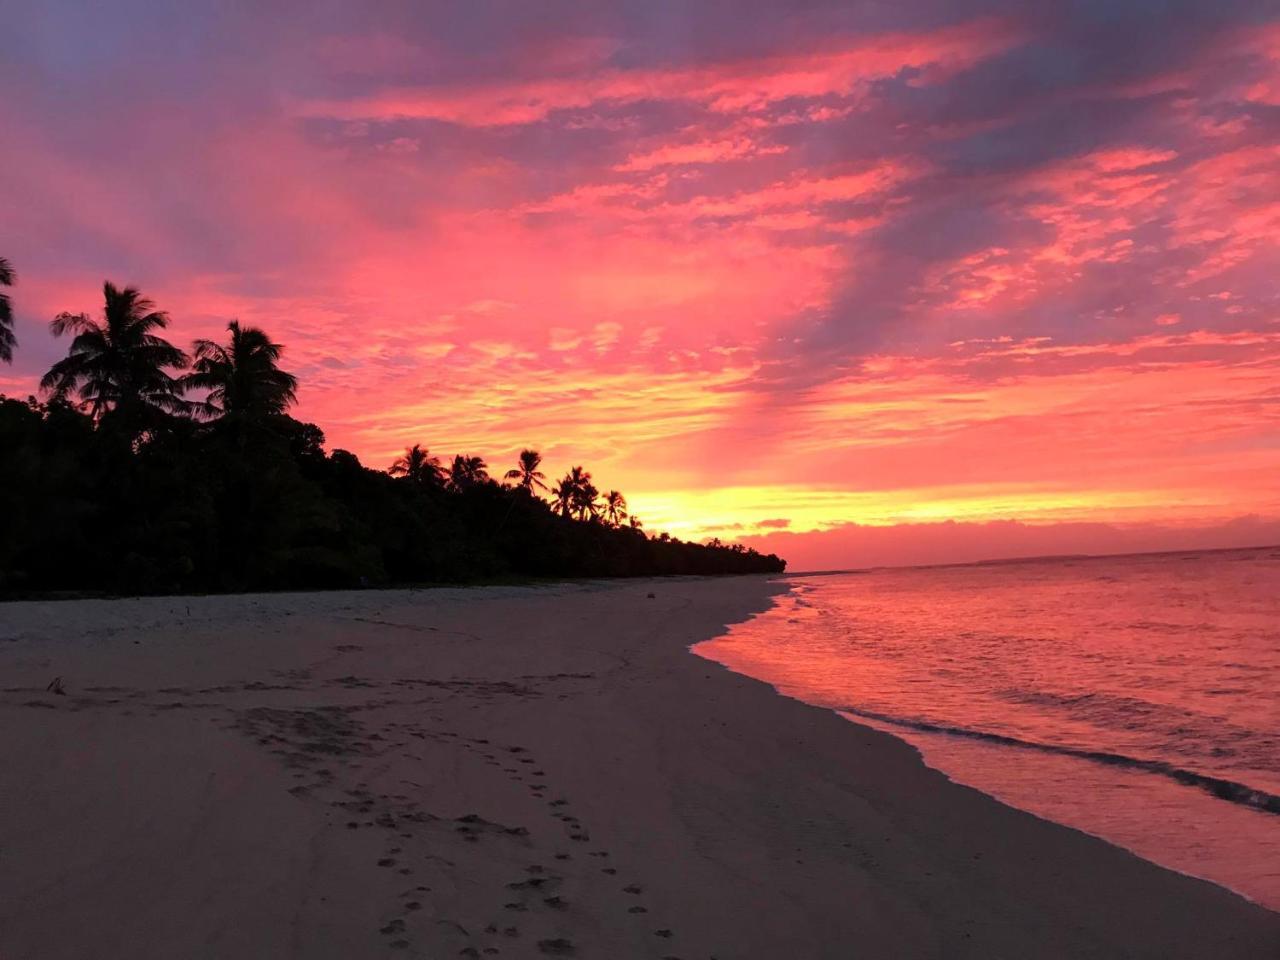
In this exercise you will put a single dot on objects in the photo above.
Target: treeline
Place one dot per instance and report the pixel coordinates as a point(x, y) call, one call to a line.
point(145, 469)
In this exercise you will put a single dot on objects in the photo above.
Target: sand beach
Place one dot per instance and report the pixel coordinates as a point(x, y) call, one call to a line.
point(510, 772)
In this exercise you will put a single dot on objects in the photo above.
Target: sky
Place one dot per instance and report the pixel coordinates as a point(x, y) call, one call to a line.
point(857, 282)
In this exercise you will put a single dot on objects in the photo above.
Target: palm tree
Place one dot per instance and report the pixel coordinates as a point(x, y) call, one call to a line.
point(468, 472)
point(527, 473)
point(7, 340)
point(615, 508)
point(588, 502)
point(117, 365)
point(417, 465)
point(563, 498)
point(576, 496)
point(584, 494)
point(243, 377)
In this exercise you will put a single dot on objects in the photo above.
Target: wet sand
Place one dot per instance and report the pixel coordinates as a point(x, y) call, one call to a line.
point(513, 772)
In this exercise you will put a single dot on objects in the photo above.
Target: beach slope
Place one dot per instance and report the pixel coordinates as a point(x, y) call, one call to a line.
point(514, 772)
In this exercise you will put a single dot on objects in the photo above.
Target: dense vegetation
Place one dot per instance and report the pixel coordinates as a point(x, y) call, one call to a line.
point(146, 470)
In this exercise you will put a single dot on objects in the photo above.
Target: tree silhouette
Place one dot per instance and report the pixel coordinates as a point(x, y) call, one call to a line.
point(417, 466)
point(243, 377)
point(563, 497)
point(586, 501)
point(527, 474)
point(7, 340)
point(117, 365)
point(579, 495)
point(468, 472)
point(615, 508)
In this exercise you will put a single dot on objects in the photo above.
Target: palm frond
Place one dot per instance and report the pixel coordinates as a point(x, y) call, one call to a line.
point(74, 322)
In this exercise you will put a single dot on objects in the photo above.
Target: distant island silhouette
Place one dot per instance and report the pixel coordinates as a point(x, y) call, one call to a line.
point(145, 469)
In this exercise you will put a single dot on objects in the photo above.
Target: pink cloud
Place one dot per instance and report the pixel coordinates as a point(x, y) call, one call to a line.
point(732, 87)
point(702, 151)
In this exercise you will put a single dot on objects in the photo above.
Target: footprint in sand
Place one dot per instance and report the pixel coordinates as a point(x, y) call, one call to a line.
point(556, 947)
point(533, 883)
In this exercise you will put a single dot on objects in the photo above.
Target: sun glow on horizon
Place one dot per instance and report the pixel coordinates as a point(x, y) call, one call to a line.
point(731, 513)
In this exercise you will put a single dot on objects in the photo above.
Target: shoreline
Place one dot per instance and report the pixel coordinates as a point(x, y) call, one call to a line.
point(954, 778)
point(151, 820)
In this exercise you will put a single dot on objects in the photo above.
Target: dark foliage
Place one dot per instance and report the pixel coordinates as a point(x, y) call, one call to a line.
point(218, 507)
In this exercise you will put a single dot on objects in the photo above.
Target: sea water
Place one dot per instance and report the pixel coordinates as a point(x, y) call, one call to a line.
point(1135, 698)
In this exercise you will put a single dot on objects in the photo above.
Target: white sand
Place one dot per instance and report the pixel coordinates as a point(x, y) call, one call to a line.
point(191, 796)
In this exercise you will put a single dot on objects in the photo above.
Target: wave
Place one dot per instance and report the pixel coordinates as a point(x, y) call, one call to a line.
point(1229, 790)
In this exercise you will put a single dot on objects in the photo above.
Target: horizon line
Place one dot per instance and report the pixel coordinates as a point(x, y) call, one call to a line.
point(1036, 558)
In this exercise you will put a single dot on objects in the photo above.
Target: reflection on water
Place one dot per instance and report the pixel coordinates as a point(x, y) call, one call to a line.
point(1134, 698)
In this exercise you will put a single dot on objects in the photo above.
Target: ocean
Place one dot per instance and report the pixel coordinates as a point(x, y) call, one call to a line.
point(1135, 698)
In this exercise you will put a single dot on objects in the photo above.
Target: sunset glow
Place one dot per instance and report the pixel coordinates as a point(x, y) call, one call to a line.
point(773, 274)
